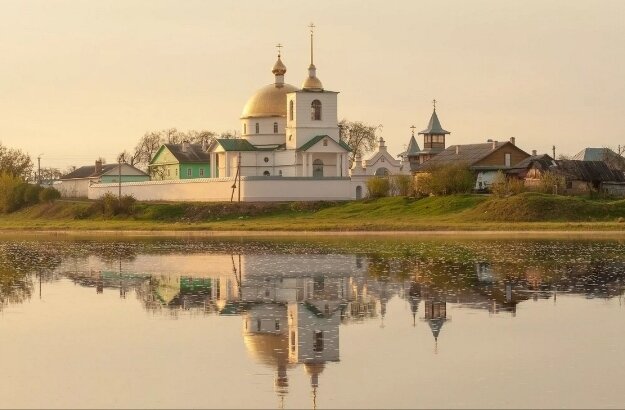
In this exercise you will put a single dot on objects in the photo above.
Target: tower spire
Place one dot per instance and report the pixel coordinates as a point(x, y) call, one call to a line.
point(312, 83)
point(312, 33)
point(434, 103)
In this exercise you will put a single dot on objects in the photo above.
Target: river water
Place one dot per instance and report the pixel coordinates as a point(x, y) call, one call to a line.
point(320, 322)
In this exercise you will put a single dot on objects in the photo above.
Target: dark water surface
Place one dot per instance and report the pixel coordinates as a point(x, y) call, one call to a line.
point(321, 322)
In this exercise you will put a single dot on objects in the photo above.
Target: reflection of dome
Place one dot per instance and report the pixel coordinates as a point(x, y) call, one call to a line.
point(269, 349)
point(269, 101)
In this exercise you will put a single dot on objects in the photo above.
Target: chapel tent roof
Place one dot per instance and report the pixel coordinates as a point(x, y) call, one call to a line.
point(434, 127)
point(193, 153)
point(412, 149)
point(318, 138)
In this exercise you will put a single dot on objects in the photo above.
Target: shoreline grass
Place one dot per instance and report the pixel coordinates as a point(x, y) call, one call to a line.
point(525, 212)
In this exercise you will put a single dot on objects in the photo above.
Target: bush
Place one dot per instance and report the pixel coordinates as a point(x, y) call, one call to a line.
point(31, 194)
point(504, 186)
point(378, 187)
point(49, 195)
point(550, 182)
point(10, 186)
point(446, 180)
point(401, 185)
point(111, 205)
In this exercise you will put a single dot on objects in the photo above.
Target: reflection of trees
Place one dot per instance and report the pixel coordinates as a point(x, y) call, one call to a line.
point(18, 264)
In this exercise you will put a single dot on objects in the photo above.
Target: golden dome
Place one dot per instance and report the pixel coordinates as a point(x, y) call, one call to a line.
point(312, 83)
point(269, 101)
point(269, 349)
point(279, 68)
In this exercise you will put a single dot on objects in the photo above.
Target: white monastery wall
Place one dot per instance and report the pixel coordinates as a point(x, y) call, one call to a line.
point(78, 188)
point(253, 189)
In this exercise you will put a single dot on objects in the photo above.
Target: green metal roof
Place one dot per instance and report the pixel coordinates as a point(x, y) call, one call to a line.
point(235, 144)
point(318, 138)
point(434, 127)
point(413, 147)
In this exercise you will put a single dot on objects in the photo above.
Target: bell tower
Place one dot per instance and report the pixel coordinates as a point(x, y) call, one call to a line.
point(311, 111)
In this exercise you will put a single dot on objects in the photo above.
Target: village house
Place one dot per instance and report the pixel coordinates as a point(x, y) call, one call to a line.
point(180, 161)
point(579, 177)
point(76, 184)
point(485, 159)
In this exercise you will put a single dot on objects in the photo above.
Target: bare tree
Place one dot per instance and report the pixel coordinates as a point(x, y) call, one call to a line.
point(360, 137)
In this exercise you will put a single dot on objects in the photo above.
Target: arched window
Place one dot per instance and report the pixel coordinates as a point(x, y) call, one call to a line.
point(257, 128)
point(291, 110)
point(315, 110)
point(358, 192)
point(275, 127)
point(381, 172)
point(266, 173)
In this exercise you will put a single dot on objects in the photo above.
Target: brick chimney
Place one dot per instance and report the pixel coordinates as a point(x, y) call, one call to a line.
point(513, 140)
point(494, 144)
point(457, 149)
point(185, 146)
point(98, 166)
point(534, 152)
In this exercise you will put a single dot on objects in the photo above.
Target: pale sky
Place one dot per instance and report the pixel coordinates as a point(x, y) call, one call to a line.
point(83, 79)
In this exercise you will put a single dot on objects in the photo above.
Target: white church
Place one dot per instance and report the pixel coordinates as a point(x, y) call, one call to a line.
point(290, 150)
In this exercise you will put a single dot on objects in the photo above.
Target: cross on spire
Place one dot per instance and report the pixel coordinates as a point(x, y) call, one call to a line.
point(434, 102)
point(412, 127)
point(279, 47)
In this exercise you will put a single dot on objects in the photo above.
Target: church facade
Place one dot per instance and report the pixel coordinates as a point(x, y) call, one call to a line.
point(286, 131)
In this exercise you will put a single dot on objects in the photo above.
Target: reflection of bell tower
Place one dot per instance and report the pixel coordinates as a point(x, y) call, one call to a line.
point(414, 297)
point(436, 316)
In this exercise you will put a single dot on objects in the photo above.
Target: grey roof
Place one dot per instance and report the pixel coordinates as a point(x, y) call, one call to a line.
point(544, 162)
point(468, 154)
point(434, 127)
point(88, 171)
point(591, 171)
point(594, 154)
point(193, 153)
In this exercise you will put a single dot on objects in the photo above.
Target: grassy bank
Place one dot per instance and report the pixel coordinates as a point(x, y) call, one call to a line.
point(529, 211)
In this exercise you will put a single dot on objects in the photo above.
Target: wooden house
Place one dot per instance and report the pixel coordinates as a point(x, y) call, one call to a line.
point(484, 159)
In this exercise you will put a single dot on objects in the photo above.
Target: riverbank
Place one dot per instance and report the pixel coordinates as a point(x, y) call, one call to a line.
point(526, 212)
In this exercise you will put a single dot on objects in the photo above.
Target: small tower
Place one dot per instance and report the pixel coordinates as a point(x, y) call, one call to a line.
point(433, 138)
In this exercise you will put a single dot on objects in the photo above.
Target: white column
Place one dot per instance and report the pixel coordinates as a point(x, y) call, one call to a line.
point(338, 165)
point(304, 165)
point(212, 170)
point(309, 169)
point(226, 164)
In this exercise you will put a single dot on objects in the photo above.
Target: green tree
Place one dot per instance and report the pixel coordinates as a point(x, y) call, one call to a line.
point(446, 180)
point(360, 137)
point(15, 162)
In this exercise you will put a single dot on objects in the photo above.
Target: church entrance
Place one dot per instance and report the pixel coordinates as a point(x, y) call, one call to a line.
point(317, 168)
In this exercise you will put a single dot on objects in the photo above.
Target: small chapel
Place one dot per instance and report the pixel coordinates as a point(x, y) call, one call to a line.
point(286, 131)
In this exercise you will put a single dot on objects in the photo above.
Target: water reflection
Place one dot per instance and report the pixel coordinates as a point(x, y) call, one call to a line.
point(292, 305)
